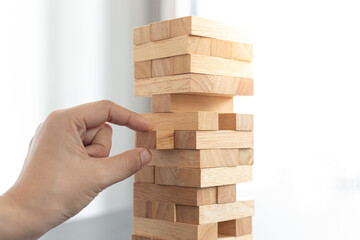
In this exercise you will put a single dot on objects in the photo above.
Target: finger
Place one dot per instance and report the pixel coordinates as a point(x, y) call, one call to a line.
point(100, 144)
point(122, 166)
point(97, 113)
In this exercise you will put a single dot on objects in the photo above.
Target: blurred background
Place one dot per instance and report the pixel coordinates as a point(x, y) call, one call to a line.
point(60, 53)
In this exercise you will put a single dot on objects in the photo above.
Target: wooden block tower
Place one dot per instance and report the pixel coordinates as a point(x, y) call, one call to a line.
point(192, 67)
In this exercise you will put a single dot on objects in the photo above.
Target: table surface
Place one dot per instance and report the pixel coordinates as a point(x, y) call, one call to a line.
point(112, 226)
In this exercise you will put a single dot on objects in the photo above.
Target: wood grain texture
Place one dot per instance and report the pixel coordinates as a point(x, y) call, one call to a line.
point(160, 139)
point(162, 67)
point(164, 211)
point(207, 28)
point(194, 84)
point(209, 177)
point(236, 227)
point(213, 139)
point(183, 120)
point(147, 174)
point(207, 158)
point(174, 230)
point(172, 47)
point(236, 121)
point(226, 193)
point(165, 175)
point(191, 103)
point(142, 34)
point(143, 69)
point(143, 208)
point(138, 237)
point(173, 194)
point(214, 213)
point(245, 237)
point(231, 50)
point(160, 30)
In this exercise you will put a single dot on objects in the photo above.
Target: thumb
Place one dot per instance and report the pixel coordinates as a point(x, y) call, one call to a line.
point(122, 166)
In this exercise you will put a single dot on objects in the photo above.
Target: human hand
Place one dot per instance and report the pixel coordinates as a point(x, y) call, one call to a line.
point(67, 166)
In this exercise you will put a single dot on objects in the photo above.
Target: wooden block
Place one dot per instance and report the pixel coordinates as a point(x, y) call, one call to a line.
point(242, 51)
point(191, 103)
point(164, 211)
point(226, 193)
point(172, 47)
point(211, 65)
point(162, 67)
point(245, 237)
point(160, 139)
point(174, 230)
point(165, 175)
point(207, 28)
point(142, 69)
point(159, 30)
point(194, 84)
point(214, 213)
point(207, 158)
point(147, 174)
point(183, 121)
point(236, 121)
point(143, 208)
point(213, 139)
point(142, 34)
point(174, 194)
point(231, 50)
point(237, 227)
point(138, 237)
point(209, 177)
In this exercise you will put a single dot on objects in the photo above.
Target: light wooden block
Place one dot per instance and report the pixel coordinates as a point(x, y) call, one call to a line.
point(236, 121)
point(207, 158)
point(221, 48)
point(160, 139)
point(237, 227)
point(173, 194)
point(231, 50)
point(142, 69)
point(242, 52)
point(209, 177)
point(162, 67)
point(214, 213)
point(164, 211)
point(198, 26)
point(138, 237)
point(226, 193)
point(213, 139)
point(165, 175)
point(143, 208)
point(191, 103)
point(194, 84)
point(183, 120)
point(174, 230)
point(172, 47)
point(147, 174)
point(245, 237)
point(159, 30)
point(142, 34)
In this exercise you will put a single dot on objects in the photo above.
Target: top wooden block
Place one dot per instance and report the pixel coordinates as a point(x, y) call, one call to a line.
point(190, 25)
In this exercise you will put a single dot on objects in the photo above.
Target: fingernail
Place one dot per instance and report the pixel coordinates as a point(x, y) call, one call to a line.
point(145, 156)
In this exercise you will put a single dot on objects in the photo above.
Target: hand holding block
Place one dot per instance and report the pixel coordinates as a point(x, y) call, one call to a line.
point(236, 121)
point(237, 227)
point(161, 139)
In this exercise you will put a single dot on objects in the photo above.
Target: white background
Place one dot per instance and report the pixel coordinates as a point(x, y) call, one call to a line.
point(306, 67)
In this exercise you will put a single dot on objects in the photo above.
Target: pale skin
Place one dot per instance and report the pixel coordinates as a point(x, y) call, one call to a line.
point(67, 166)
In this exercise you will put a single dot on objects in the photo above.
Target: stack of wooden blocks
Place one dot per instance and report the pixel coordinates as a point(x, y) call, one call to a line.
point(192, 67)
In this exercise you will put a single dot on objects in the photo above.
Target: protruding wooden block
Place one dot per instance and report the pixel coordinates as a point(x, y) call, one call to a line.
point(194, 84)
point(147, 175)
point(183, 120)
point(214, 213)
point(178, 195)
point(236, 121)
point(164, 211)
point(143, 208)
point(231, 50)
point(160, 139)
point(138, 237)
point(175, 230)
point(159, 30)
point(213, 139)
point(207, 158)
point(142, 35)
point(172, 47)
point(191, 103)
point(165, 175)
point(142, 69)
point(226, 193)
point(209, 177)
point(237, 227)
point(162, 67)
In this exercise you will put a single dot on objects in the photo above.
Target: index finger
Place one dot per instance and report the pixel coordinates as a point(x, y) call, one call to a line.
point(96, 113)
